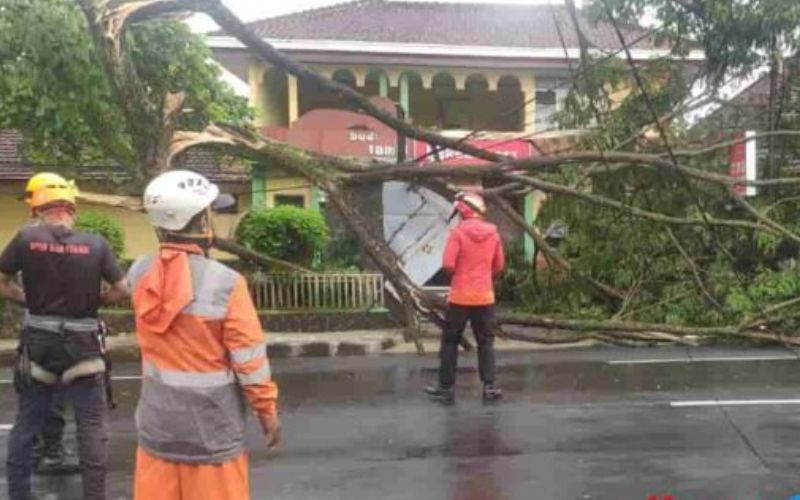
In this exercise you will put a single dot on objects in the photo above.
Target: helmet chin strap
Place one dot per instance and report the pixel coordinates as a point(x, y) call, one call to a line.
point(204, 239)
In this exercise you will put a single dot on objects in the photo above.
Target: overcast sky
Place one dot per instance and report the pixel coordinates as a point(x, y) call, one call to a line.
point(250, 10)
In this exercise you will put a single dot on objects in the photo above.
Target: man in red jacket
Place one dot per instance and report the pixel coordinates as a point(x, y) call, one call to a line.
point(473, 256)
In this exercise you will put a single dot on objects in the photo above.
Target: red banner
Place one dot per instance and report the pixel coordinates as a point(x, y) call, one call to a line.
point(338, 132)
point(512, 148)
point(737, 162)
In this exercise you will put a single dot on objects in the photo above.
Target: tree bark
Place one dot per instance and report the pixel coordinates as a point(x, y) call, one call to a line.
point(637, 327)
point(262, 260)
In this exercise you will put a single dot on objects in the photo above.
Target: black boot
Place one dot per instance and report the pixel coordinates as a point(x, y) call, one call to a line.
point(492, 393)
point(441, 394)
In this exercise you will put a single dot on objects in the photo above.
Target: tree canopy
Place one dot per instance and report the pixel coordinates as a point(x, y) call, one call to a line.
point(54, 86)
point(737, 36)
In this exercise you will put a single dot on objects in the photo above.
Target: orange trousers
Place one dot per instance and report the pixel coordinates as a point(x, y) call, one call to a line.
point(158, 479)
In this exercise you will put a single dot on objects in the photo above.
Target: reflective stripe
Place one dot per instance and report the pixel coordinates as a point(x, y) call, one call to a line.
point(257, 377)
point(42, 375)
point(188, 379)
point(213, 285)
point(58, 324)
point(205, 310)
point(247, 354)
point(201, 425)
point(139, 269)
point(84, 369)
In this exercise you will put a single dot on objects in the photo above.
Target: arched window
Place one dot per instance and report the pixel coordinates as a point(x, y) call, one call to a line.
point(511, 103)
point(275, 102)
point(345, 77)
point(476, 84)
point(451, 108)
point(376, 83)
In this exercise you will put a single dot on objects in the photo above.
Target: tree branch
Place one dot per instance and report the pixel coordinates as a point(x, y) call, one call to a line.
point(549, 162)
point(142, 116)
point(412, 299)
point(695, 272)
point(550, 187)
point(767, 221)
point(713, 148)
point(256, 258)
point(637, 327)
point(549, 251)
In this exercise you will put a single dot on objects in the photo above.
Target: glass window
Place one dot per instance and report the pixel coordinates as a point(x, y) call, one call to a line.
point(295, 200)
point(546, 107)
point(453, 113)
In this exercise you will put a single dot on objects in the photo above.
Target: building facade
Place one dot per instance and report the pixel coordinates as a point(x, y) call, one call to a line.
point(500, 70)
point(140, 239)
point(456, 68)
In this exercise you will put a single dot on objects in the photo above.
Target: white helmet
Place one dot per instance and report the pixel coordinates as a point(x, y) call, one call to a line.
point(470, 204)
point(174, 197)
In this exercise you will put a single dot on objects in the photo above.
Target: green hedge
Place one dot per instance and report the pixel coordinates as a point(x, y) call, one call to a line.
point(104, 226)
point(285, 232)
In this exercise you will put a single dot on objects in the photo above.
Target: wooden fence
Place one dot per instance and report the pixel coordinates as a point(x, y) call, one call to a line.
point(318, 291)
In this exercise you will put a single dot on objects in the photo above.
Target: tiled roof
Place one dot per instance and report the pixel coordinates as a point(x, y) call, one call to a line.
point(756, 93)
point(458, 24)
point(10, 141)
point(213, 166)
point(14, 167)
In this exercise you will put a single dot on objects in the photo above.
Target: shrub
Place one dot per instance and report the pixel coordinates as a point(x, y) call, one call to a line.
point(517, 276)
point(343, 253)
point(285, 232)
point(105, 226)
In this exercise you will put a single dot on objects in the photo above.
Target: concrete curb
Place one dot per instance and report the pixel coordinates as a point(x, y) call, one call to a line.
point(124, 347)
point(353, 343)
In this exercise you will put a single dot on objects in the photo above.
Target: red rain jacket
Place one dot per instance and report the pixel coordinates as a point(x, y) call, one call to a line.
point(474, 255)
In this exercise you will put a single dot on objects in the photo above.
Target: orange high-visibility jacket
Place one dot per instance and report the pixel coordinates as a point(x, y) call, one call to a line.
point(203, 353)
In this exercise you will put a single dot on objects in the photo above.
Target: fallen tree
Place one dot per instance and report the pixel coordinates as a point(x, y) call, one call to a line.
point(596, 176)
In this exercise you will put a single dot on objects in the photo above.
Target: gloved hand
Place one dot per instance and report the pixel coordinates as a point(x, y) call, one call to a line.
point(271, 427)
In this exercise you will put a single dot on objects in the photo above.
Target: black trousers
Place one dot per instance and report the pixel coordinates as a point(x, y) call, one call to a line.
point(87, 396)
point(50, 442)
point(481, 318)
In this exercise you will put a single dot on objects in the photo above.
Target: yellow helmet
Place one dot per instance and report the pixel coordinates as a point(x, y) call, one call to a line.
point(46, 188)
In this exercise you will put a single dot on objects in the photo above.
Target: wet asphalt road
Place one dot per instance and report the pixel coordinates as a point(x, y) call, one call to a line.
point(601, 423)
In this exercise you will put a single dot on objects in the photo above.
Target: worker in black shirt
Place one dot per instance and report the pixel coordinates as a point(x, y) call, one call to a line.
point(50, 454)
point(62, 273)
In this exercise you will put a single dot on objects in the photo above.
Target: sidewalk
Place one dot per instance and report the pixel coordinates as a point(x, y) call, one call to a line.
point(326, 344)
point(431, 345)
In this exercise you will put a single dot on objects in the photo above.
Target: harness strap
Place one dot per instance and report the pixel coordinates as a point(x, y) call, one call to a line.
point(59, 324)
point(82, 369)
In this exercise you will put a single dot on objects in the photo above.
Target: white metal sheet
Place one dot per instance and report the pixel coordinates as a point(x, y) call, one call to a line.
point(415, 225)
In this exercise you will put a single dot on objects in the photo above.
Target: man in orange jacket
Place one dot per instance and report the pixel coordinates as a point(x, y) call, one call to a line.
point(203, 354)
point(473, 256)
